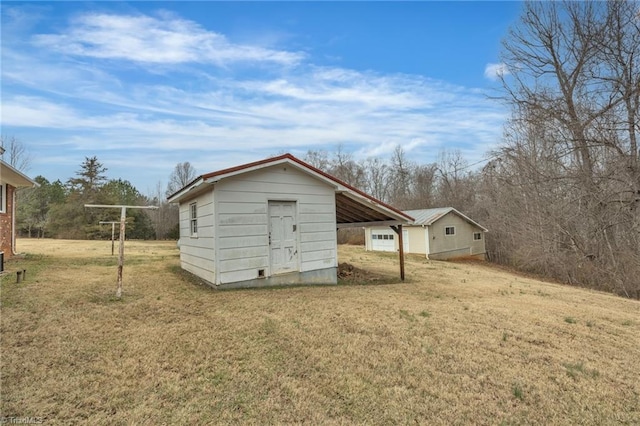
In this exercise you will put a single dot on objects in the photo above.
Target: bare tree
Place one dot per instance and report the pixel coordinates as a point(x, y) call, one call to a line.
point(15, 153)
point(318, 159)
point(455, 183)
point(424, 193)
point(376, 178)
point(165, 219)
point(182, 174)
point(400, 177)
point(343, 166)
point(569, 166)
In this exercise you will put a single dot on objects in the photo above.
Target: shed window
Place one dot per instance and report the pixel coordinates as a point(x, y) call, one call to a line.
point(477, 236)
point(193, 219)
point(3, 196)
point(449, 230)
point(374, 236)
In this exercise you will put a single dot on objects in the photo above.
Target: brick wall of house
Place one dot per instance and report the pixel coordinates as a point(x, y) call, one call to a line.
point(5, 224)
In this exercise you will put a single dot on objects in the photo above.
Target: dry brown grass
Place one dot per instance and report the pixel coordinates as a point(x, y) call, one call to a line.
point(455, 344)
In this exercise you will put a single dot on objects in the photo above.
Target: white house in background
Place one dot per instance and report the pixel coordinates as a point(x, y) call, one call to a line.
point(271, 222)
point(441, 233)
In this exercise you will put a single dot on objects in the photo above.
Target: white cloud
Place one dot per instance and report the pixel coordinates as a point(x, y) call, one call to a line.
point(368, 113)
point(334, 85)
point(151, 40)
point(495, 71)
point(123, 115)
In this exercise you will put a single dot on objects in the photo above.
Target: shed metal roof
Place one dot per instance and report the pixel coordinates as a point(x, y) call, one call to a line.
point(428, 216)
point(353, 206)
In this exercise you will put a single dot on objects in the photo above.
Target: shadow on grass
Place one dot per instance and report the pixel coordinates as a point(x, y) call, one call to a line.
point(188, 277)
point(374, 282)
point(109, 297)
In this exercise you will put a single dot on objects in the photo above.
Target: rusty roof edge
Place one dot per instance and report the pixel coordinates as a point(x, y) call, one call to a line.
point(232, 171)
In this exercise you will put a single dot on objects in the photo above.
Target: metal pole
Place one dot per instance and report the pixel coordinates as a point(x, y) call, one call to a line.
point(123, 214)
point(113, 232)
point(121, 257)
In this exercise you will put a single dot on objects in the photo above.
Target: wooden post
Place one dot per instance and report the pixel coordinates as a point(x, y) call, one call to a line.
point(398, 230)
point(123, 217)
point(113, 233)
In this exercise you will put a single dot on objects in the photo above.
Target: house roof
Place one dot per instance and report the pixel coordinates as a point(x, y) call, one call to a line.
point(14, 177)
point(429, 216)
point(353, 207)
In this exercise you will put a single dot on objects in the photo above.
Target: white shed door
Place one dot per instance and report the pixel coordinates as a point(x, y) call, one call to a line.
point(383, 240)
point(283, 236)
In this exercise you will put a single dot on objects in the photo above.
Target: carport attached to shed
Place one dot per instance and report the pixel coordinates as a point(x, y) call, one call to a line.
point(271, 222)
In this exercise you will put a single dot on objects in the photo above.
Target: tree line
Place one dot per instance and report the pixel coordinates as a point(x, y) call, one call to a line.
point(56, 209)
point(563, 194)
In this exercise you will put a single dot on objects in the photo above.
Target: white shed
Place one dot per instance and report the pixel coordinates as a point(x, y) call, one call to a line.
point(271, 222)
point(439, 233)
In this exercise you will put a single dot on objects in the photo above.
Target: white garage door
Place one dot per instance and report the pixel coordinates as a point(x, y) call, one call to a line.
point(383, 240)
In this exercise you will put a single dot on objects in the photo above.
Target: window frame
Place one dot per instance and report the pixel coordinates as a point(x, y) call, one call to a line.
point(479, 235)
point(193, 219)
point(3, 198)
point(449, 234)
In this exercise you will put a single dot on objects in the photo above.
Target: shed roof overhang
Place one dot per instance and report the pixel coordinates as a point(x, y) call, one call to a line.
point(354, 208)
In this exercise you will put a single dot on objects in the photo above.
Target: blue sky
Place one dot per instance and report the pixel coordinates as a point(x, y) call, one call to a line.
point(145, 85)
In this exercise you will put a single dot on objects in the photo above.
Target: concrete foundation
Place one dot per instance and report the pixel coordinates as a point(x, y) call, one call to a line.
point(327, 276)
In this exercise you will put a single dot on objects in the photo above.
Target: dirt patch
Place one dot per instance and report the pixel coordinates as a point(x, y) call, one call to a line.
point(351, 274)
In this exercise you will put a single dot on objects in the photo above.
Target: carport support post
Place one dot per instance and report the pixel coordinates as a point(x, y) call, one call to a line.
point(398, 230)
point(123, 217)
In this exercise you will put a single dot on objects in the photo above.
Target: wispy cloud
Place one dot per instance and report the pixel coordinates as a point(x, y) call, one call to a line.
point(193, 113)
point(155, 40)
point(495, 71)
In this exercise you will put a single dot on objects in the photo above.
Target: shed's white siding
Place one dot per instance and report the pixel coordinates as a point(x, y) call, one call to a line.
point(241, 206)
point(197, 253)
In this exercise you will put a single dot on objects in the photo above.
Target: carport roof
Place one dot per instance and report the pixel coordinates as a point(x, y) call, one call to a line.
point(353, 206)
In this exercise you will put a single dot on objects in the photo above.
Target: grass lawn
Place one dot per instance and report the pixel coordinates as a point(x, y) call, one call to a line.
point(457, 343)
